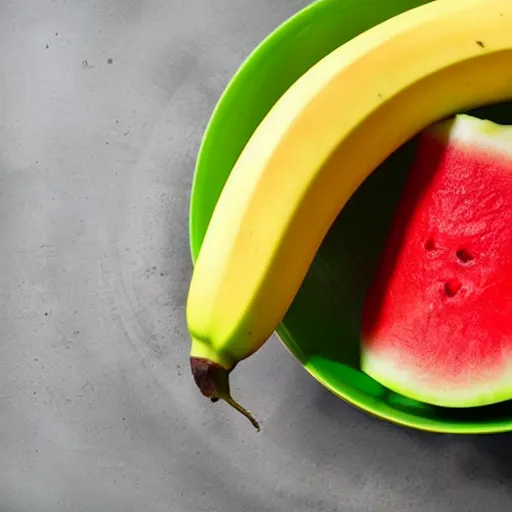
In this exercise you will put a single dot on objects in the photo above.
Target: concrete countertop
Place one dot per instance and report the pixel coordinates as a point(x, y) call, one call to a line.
point(103, 104)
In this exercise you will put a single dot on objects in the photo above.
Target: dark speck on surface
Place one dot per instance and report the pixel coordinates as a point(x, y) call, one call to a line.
point(110, 61)
point(481, 44)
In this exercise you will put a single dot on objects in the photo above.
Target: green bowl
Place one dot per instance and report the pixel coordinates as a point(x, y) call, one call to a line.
point(322, 326)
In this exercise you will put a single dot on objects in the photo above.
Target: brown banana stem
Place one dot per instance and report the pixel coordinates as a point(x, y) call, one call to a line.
point(213, 382)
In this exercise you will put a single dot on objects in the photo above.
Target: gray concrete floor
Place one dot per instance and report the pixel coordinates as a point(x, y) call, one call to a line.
point(102, 106)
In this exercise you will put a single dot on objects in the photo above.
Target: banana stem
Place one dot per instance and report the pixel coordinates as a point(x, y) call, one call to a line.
point(213, 382)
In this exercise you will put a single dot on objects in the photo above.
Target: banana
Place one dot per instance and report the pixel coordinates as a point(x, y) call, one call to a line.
point(319, 142)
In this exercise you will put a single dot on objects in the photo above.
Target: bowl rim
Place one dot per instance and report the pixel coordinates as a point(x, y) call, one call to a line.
point(245, 68)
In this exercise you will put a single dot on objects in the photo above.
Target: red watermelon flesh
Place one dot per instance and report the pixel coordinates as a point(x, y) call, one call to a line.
point(437, 320)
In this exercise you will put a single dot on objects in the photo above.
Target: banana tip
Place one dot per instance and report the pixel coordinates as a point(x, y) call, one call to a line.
point(213, 382)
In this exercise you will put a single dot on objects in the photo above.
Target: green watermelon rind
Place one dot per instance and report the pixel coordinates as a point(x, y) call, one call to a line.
point(491, 390)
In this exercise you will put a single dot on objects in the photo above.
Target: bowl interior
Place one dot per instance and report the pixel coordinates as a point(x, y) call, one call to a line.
point(321, 327)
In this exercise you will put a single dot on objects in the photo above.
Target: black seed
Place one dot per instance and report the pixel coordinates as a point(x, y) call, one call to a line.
point(452, 287)
point(464, 255)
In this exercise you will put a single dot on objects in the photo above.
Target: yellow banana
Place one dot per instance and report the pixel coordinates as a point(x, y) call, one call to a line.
point(320, 141)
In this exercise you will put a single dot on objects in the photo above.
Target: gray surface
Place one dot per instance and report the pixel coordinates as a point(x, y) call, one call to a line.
point(97, 410)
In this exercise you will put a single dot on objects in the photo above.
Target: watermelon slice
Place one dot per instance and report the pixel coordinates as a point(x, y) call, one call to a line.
point(437, 320)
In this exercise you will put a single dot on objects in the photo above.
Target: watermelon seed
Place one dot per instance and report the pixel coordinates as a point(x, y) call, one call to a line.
point(452, 287)
point(430, 245)
point(464, 255)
